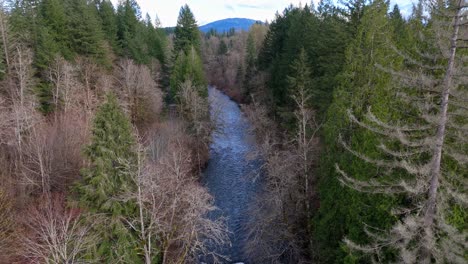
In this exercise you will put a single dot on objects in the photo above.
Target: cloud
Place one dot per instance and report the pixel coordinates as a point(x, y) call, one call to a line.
point(229, 7)
point(251, 6)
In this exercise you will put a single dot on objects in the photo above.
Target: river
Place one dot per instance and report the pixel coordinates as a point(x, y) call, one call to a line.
point(229, 173)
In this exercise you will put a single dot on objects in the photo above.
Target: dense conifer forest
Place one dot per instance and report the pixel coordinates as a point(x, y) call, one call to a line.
point(360, 117)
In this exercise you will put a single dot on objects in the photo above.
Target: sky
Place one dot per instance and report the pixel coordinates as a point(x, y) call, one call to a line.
point(206, 11)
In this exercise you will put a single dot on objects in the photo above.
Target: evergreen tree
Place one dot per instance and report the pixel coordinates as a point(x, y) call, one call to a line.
point(344, 212)
point(288, 34)
point(424, 156)
point(332, 40)
point(113, 158)
point(189, 67)
point(128, 15)
point(250, 62)
point(186, 34)
point(85, 30)
point(54, 18)
point(109, 23)
point(222, 48)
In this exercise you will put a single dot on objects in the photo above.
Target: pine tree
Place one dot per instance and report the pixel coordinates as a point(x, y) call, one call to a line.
point(113, 158)
point(222, 48)
point(109, 23)
point(428, 147)
point(128, 16)
point(54, 18)
point(186, 34)
point(189, 67)
point(332, 40)
point(345, 212)
point(250, 62)
point(85, 30)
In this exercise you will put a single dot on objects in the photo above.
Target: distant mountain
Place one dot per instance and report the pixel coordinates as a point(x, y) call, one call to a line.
point(225, 25)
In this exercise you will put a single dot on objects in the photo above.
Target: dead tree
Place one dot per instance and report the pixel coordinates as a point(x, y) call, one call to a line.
point(424, 234)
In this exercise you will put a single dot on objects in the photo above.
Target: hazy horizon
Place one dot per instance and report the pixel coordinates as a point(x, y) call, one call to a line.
point(207, 11)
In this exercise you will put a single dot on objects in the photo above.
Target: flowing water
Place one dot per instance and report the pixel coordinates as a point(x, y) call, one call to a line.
point(229, 174)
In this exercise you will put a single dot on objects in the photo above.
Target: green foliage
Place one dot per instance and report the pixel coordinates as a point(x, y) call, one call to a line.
point(223, 48)
point(323, 35)
point(113, 157)
point(189, 67)
point(53, 18)
point(86, 35)
point(343, 211)
point(186, 34)
point(108, 20)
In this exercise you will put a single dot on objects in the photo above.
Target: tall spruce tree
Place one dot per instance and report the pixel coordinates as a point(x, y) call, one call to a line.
point(109, 23)
point(85, 30)
point(186, 34)
point(250, 62)
point(113, 158)
point(425, 150)
point(189, 67)
point(345, 212)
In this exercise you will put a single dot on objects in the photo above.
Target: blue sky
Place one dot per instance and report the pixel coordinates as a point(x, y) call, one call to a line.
point(211, 10)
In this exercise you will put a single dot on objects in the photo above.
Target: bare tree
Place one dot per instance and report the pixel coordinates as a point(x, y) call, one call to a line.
point(173, 207)
point(63, 75)
point(306, 140)
point(52, 152)
point(56, 234)
point(194, 109)
point(7, 227)
point(277, 229)
point(141, 93)
point(424, 234)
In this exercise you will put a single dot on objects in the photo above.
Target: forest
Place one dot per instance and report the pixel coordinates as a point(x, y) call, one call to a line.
point(359, 114)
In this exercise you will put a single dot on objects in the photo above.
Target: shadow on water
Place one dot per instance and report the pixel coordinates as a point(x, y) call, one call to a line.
point(228, 175)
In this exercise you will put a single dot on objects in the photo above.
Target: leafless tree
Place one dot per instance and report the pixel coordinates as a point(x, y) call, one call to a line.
point(142, 95)
point(306, 140)
point(173, 207)
point(7, 227)
point(424, 234)
point(52, 152)
point(277, 229)
point(56, 234)
point(63, 75)
point(195, 110)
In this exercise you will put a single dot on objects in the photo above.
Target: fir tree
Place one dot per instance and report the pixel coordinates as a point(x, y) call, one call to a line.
point(113, 158)
point(344, 212)
point(189, 67)
point(109, 22)
point(85, 30)
point(186, 34)
point(54, 18)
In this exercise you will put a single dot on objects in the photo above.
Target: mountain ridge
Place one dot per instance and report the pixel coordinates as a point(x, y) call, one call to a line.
point(226, 24)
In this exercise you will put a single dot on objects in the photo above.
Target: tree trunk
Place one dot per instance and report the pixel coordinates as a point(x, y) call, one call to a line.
point(440, 136)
